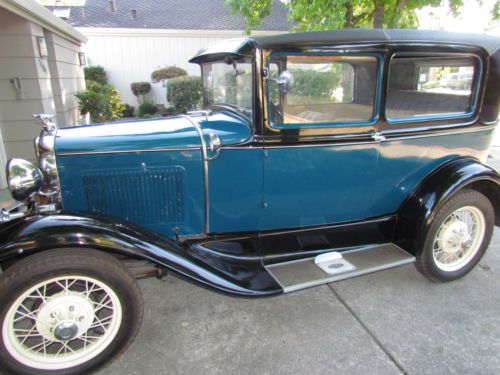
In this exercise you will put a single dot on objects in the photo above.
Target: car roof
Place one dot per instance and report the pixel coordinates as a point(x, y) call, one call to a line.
point(243, 46)
point(361, 36)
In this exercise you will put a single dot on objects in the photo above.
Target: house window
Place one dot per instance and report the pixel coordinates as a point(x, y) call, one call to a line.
point(321, 90)
point(430, 87)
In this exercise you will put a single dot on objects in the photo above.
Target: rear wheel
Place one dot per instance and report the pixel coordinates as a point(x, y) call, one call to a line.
point(66, 312)
point(458, 237)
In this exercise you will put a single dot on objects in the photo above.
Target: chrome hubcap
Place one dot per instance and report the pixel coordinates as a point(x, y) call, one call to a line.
point(62, 322)
point(459, 238)
point(65, 331)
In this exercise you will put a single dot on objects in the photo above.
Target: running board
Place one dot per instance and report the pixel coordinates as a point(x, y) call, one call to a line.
point(333, 266)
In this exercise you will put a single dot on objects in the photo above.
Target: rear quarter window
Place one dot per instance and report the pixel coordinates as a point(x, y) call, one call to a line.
point(431, 87)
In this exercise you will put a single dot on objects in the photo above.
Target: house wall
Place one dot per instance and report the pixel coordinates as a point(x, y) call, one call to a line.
point(47, 84)
point(131, 55)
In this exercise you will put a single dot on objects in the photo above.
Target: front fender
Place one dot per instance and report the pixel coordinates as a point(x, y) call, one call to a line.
point(418, 211)
point(37, 233)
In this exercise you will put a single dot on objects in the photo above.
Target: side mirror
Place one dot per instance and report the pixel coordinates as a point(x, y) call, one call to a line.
point(284, 81)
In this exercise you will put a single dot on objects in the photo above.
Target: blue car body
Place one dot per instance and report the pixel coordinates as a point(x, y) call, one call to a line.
point(219, 195)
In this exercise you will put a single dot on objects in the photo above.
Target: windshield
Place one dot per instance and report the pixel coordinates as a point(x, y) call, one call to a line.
point(228, 84)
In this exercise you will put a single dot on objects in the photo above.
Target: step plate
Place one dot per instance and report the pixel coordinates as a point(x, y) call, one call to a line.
point(304, 273)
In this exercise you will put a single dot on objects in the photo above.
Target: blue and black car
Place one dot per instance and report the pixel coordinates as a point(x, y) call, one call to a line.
point(316, 157)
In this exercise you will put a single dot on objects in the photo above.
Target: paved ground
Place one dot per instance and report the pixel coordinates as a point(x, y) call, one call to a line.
point(392, 322)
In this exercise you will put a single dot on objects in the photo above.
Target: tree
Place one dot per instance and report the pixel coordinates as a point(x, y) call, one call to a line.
point(309, 15)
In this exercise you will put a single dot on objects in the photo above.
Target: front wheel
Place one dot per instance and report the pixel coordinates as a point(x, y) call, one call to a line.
point(458, 237)
point(66, 312)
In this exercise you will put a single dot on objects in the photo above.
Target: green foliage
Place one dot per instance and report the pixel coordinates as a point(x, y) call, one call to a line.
point(310, 15)
point(95, 73)
point(495, 12)
point(184, 93)
point(140, 88)
point(254, 11)
point(147, 107)
point(128, 110)
point(101, 101)
point(167, 73)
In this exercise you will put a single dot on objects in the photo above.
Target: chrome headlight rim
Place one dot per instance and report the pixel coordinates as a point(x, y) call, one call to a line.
point(24, 179)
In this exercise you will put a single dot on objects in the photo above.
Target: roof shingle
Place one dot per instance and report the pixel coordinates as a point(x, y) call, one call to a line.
point(170, 14)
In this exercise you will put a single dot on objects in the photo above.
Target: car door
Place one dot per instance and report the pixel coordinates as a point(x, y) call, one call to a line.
point(320, 152)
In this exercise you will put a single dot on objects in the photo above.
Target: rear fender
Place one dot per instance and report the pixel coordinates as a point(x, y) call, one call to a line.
point(37, 233)
point(418, 211)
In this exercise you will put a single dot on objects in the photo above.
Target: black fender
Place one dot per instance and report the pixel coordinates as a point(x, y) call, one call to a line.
point(418, 211)
point(36, 233)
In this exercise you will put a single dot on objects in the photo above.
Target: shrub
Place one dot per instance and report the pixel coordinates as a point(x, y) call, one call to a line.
point(95, 73)
point(128, 110)
point(140, 88)
point(147, 108)
point(101, 101)
point(167, 73)
point(170, 111)
point(184, 93)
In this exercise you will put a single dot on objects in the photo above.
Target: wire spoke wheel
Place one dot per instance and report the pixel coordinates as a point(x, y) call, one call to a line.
point(459, 238)
point(62, 322)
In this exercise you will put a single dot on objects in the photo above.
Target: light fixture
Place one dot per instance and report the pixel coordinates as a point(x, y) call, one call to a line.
point(42, 47)
point(81, 58)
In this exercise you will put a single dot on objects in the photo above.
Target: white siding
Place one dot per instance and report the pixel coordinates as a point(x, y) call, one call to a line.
point(131, 55)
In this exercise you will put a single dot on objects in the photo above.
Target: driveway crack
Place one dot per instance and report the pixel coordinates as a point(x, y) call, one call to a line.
point(370, 332)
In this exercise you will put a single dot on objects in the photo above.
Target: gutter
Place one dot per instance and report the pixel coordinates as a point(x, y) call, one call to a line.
point(34, 12)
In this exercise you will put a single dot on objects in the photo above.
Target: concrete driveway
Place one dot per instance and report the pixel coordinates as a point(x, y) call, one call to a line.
point(392, 322)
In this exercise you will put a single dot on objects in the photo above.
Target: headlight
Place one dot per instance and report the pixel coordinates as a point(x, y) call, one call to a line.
point(24, 178)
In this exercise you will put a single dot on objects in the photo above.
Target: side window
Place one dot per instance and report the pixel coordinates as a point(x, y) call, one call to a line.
point(308, 90)
point(423, 88)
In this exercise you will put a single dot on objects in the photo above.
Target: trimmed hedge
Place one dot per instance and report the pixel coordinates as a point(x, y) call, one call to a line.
point(140, 88)
point(167, 73)
point(184, 93)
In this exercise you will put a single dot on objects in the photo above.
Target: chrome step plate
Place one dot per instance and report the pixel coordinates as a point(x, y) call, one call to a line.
point(305, 273)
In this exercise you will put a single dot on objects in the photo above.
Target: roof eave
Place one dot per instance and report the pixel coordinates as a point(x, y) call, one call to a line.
point(36, 13)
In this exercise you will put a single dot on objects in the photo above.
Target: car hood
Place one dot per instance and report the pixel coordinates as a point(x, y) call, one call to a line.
point(149, 135)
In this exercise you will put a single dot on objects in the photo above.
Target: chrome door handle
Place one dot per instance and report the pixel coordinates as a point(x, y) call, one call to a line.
point(377, 137)
point(214, 145)
point(215, 142)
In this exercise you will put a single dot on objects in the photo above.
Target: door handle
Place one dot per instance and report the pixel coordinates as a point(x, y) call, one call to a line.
point(215, 142)
point(377, 137)
point(214, 145)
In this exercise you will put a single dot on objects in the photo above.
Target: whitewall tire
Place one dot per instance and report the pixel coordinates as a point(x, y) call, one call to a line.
point(66, 312)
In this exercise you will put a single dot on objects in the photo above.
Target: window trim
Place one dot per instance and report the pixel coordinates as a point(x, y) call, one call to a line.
point(476, 79)
point(334, 124)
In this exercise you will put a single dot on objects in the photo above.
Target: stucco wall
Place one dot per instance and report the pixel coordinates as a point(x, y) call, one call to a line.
point(47, 84)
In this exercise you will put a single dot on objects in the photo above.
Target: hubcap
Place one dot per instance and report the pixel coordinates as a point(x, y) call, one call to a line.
point(62, 322)
point(459, 238)
point(66, 331)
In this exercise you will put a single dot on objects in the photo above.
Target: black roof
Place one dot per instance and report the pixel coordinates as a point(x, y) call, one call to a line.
point(244, 46)
point(360, 36)
point(170, 14)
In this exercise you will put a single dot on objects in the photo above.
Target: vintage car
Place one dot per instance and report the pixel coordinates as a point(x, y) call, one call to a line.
point(318, 157)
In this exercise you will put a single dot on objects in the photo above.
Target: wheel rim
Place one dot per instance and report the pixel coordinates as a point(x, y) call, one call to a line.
point(62, 322)
point(459, 238)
